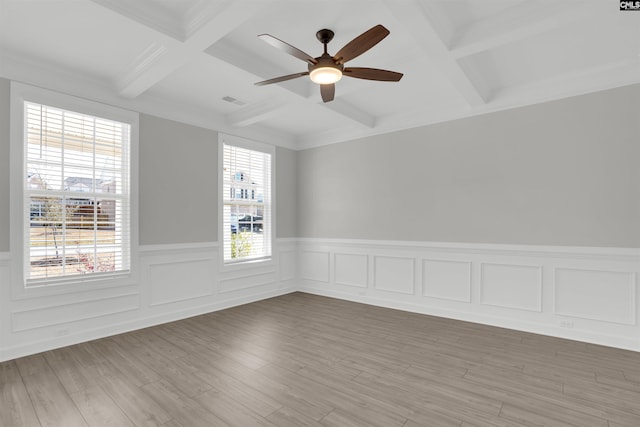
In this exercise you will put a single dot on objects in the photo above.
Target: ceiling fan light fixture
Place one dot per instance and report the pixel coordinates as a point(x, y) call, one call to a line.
point(325, 70)
point(325, 75)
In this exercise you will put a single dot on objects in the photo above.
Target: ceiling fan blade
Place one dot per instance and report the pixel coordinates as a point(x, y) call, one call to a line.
point(361, 44)
point(372, 74)
point(291, 50)
point(282, 78)
point(328, 91)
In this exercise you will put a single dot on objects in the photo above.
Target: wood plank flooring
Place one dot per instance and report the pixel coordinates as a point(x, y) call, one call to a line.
point(304, 360)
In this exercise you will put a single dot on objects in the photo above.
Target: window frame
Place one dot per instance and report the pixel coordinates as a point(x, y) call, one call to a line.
point(268, 261)
point(21, 93)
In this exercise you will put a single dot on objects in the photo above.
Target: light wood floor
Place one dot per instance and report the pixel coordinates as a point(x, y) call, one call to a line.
point(304, 360)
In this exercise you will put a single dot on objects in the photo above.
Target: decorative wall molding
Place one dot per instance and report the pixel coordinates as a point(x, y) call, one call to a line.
point(446, 279)
point(351, 269)
point(287, 265)
point(315, 265)
point(180, 280)
point(573, 252)
point(42, 343)
point(610, 295)
point(394, 274)
point(175, 281)
point(587, 294)
point(77, 311)
point(511, 286)
point(177, 247)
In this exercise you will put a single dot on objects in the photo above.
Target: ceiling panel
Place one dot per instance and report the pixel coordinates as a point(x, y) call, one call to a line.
point(181, 58)
point(560, 52)
point(78, 36)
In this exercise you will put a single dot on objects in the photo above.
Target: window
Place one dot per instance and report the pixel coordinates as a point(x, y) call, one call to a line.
point(246, 201)
point(76, 209)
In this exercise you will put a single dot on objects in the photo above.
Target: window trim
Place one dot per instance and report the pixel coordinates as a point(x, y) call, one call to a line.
point(21, 93)
point(266, 262)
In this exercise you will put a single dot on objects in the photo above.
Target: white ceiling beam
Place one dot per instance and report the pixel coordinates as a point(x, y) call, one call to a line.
point(338, 105)
point(200, 31)
point(516, 23)
point(592, 79)
point(256, 112)
point(419, 20)
point(151, 17)
point(239, 57)
point(302, 87)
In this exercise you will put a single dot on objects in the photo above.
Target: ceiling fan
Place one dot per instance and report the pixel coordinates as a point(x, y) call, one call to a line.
point(326, 70)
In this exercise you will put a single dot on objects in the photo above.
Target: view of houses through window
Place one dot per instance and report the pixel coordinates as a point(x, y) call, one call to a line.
point(76, 194)
point(246, 199)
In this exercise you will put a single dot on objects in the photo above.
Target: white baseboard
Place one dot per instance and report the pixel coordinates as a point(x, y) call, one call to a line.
point(507, 323)
point(175, 281)
point(29, 348)
point(585, 294)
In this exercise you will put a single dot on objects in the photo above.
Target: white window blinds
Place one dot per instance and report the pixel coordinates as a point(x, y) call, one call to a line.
point(246, 204)
point(76, 195)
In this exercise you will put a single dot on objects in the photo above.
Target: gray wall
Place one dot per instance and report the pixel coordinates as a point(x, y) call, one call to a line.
point(178, 182)
point(5, 89)
point(560, 173)
point(286, 189)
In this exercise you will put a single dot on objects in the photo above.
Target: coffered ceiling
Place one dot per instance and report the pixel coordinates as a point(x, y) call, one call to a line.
point(196, 61)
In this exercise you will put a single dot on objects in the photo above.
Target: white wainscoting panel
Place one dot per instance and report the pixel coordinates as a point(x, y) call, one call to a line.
point(314, 265)
point(585, 294)
point(181, 280)
point(247, 281)
point(5, 302)
point(174, 281)
point(608, 296)
point(394, 274)
point(446, 279)
point(287, 265)
point(351, 269)
point(590, 294)
point(511, 286)
point(59, 314)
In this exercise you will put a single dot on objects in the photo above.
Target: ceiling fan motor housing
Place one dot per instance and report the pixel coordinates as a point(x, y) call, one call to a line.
point(325, 36)
point(325, 60)
point(326, 69)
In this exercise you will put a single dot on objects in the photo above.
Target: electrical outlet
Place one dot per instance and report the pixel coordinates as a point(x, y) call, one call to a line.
point(566, 324)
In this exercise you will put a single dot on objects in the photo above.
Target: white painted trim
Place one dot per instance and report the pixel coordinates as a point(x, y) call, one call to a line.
point(627, 343)
point(412, 262)
point(177, 247)
point(530, 307)
point(287, 240)
point(633, 300)
point(469, 278)
point(271, 261)
point(182, 247)
point(587, 252)
point(255, 283)
point(117, 310)
point(538, 268)
point(5, 258)
point(20, 93)
point(338, 281)
point(16, 351)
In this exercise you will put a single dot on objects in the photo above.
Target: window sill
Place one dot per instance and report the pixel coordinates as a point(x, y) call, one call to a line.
point(257, 266)
point(44, 288)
